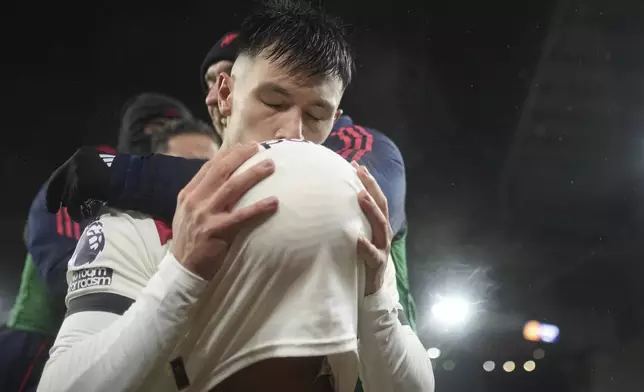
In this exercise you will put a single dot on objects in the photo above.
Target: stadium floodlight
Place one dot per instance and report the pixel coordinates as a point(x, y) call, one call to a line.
point(451, 311)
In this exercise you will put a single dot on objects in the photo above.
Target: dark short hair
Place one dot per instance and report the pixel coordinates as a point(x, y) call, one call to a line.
point(161, 138)
point(299, 37)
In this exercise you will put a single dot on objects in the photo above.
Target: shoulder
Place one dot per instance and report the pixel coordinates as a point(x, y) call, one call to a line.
point(360, 143)
point(117, 234)
point(117, 253)
point(44, 227)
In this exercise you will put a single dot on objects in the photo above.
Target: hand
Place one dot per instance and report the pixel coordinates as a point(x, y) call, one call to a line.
point(374, 251)
point(204, 225)
point(80, 184)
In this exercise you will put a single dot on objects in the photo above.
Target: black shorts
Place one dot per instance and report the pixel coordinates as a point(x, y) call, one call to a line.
point(22, 358)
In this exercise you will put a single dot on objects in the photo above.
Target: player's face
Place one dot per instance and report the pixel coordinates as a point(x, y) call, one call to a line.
point(211, 76)
point(214, 70)
point(191, 146)
point(155, 125)
point(264, 102)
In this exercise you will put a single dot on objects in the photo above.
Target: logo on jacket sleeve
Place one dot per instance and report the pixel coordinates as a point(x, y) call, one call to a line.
point(89, 245)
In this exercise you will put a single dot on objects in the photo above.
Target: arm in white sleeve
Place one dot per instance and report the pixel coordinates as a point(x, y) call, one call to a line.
point(392, 358)
point(100, 348)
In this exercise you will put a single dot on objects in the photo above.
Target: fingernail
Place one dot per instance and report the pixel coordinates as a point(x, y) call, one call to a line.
point(268, 164)
point(271, 201)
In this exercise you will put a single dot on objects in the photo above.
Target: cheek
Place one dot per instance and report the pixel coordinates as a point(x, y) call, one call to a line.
point(321, 133)
point(256, 123)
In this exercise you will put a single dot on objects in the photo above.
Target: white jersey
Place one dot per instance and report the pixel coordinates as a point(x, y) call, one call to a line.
point(290, 287)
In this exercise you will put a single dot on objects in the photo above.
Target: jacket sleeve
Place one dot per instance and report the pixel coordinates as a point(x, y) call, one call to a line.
point(50, 240)
point(125, 313)
point(150, 184)
point(392, 358)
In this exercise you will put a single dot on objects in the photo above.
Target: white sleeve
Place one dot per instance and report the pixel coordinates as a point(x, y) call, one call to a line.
point(124, 313)
point(392, 358)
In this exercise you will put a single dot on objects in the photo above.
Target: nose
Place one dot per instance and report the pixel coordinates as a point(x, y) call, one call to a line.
point(290, 126)
point(211, 98)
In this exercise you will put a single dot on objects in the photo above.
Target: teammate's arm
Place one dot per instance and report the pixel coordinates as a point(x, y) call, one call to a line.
point(392, 358)
point(108, 341)
point(150, 184)
point(50, 240)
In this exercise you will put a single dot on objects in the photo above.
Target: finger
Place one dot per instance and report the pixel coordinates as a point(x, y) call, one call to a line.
point(376, 218)
point(231, 223)
point(374, 190)
point(224, 167)
point(368, 253)
point(232, 190)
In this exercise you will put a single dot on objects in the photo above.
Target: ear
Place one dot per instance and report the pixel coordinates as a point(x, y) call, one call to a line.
point(337, 115)
point(225, 93)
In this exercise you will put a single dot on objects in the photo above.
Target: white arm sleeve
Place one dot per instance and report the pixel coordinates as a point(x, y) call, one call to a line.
point(392, 358)
point(97, 348)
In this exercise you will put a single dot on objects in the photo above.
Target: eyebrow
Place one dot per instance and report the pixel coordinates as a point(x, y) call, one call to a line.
point(276, 88)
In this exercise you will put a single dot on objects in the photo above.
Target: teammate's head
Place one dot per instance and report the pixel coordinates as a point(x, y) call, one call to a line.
point(219, 59)
point(142, 116)
point(287, 81)
point(187, 138)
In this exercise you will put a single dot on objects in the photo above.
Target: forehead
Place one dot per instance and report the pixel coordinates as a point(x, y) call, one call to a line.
point(263, 72)
point(215, 69)
point(190, 145)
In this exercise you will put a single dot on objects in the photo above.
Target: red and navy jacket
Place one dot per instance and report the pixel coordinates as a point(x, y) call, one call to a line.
point(151, 184)
point(381, 156)
point(51, 240)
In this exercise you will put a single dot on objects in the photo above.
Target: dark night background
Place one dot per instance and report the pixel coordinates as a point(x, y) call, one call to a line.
point(519, 122)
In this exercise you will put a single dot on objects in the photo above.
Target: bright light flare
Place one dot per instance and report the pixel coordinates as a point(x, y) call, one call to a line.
point(509, 366)
point(433, 353)
point(451, 311)
point(529, 366)
point(535, 331)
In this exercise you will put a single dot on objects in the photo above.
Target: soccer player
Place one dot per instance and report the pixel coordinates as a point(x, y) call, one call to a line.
point(250, 297)
point(353, 142)
point(50, 240)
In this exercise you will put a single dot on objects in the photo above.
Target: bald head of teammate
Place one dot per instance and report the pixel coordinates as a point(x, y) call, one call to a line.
point(288, 78)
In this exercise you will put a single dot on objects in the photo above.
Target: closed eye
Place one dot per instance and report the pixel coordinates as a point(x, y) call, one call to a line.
point(277, 106)
point(312, 117)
